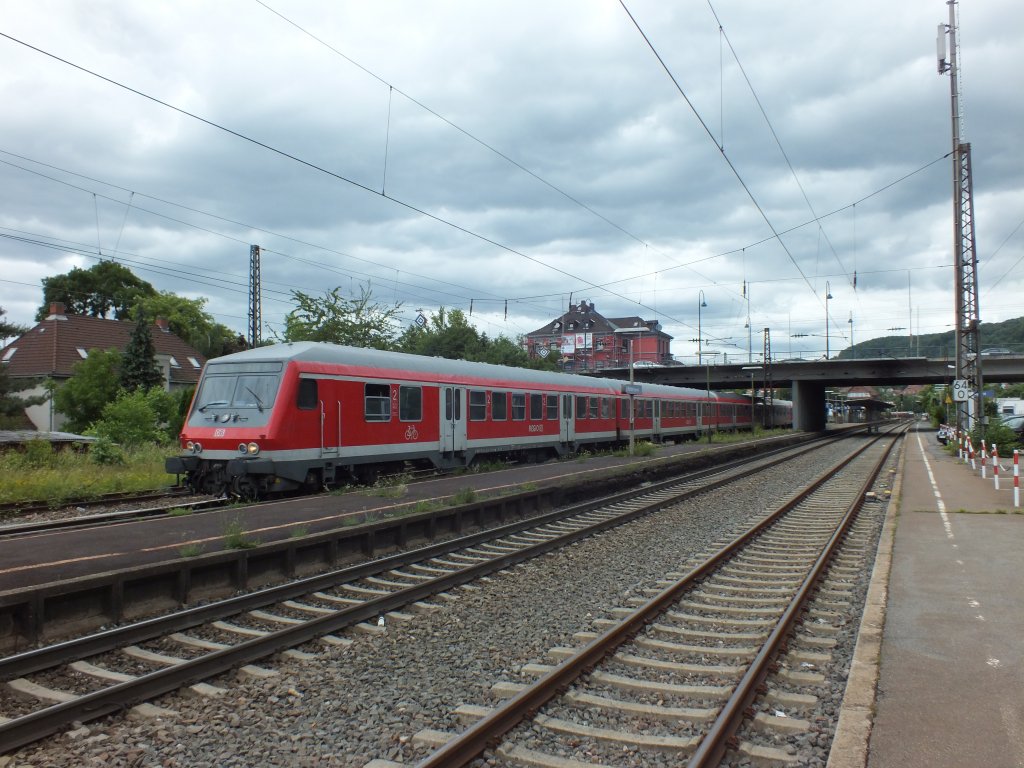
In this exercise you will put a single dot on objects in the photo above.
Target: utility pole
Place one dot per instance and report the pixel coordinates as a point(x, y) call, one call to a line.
point(965, 260)
point(255, 330)
point(769, 393)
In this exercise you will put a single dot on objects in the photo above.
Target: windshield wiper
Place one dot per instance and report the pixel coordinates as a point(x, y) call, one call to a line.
point(259, 403)
point(202, 408)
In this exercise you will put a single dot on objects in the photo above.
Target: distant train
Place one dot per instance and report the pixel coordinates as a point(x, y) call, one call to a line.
point(306, 415)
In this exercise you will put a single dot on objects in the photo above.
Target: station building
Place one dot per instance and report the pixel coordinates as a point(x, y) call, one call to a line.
point(582, 339)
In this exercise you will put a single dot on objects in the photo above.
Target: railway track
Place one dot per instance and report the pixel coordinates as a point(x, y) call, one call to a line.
point(17, 508)
point(50, 688)
point(730, 646)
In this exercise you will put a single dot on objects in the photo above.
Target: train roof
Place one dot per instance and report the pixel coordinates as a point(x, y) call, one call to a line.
point(440, 368)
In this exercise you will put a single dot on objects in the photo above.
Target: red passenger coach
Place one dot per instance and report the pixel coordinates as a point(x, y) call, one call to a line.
point(308, 415)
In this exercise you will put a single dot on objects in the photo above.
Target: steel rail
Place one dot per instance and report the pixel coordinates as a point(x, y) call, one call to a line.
point(471, 743)
point(716, 741)
point(29, 728)
point(35, 660)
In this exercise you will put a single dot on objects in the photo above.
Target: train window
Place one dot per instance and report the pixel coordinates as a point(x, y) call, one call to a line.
point(581, 407)
point(606, 408)
point(536, 407)
point(410, 403)
point(255, 392)
point(499, 406)
point(477, 405)
point(648, 408)
point(657, 408)
point(595, 408)
point(518, 406)
point(307, 398)
point(552, 407)
point(377, 402)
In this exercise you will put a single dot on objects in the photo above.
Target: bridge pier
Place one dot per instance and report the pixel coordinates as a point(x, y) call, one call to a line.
point(809, 406)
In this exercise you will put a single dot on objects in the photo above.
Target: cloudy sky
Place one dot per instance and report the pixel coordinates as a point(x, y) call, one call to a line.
point(515, 156)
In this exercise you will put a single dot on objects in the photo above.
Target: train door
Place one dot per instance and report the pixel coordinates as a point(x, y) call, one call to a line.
point(656, 420)
point(330, 414)
point(453, 421)
point(568, 424)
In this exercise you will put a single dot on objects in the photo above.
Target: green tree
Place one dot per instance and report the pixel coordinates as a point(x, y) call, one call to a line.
point(94, 383)
point(357, 322)
point(9, 330)
point(12, 407)
point(138, 368)
point(104, 287)
point(447, 333)
point(189, 320)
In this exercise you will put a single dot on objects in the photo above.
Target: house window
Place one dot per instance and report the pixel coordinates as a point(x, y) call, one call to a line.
point(195, 363)
point(83, 354)
point(9, 354)
point(174, 362)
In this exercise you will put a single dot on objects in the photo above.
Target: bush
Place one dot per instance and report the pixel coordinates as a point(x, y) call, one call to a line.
point(135, 418)
point(996, 434)
point(39, 454)
point(105, 452)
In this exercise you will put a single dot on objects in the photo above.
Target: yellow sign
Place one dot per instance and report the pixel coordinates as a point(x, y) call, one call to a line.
point(949, 400)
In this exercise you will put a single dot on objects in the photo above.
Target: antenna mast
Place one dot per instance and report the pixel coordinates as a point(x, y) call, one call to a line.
point(965, 259)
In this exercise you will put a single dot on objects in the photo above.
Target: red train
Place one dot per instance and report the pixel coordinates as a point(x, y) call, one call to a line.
point(306, 415)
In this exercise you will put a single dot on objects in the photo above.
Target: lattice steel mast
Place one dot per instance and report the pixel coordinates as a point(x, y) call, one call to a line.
point(255, 330)
point(965, 259)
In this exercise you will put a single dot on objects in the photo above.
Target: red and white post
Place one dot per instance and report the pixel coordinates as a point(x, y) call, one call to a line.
point(970, 451)
point(995, 464)
point(1016, 478)
point(984, 460)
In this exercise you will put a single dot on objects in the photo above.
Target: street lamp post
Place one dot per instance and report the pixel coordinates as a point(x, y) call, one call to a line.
point(828, 295)
point(632, 333)
point(700, 303)
point(853, 350)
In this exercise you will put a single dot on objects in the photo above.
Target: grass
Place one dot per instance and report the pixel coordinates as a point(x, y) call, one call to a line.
point(463, 496)
point(180, 511)
point(66, 475)
point(235, 537)
point(298, 532)
point(191, 550)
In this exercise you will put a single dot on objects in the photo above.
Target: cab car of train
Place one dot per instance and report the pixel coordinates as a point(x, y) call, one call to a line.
point(308, 415)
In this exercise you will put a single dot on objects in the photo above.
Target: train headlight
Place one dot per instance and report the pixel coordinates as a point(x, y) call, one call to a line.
point(190, 446)
point(197, 448)
point(253, 449)
point(242, 448)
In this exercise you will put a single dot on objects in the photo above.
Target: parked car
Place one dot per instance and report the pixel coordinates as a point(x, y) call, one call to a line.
point(996, 351)
point(944, 434)
point(1016, 423)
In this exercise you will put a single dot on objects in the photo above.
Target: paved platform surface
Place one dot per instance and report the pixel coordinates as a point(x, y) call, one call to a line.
point(951, 681)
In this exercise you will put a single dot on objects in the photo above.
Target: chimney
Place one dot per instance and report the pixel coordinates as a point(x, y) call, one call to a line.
point(163, 325)
point(56, 311)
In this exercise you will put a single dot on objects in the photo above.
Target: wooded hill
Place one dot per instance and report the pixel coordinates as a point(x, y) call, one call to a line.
point(1008, 334)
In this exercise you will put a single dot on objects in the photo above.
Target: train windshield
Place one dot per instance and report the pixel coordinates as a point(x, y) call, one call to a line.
point(233, 385)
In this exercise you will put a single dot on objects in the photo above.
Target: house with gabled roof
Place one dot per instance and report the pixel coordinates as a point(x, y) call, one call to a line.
point(53, 346)
point(582, 339)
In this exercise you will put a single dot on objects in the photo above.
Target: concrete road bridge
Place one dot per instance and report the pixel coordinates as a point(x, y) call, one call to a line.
point(809, 379)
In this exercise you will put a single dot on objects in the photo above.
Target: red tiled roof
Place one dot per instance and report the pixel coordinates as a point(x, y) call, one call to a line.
point(51, 347)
